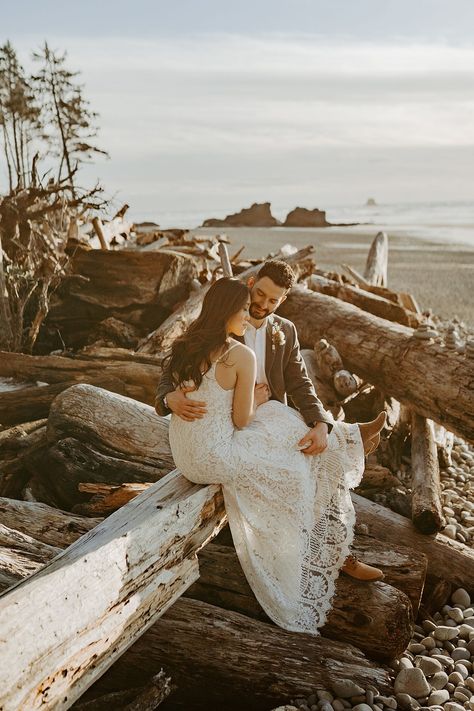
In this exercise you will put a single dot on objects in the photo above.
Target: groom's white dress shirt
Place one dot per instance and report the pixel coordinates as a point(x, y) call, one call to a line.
point(255, 338)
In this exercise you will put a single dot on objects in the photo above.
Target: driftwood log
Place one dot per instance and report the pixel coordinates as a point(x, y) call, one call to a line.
point(143, 698)
point(434, 381)
point(160, 340)
point(451, 560)
point(427, 513)
point(135, 379)
point(374, 304)
point(134, 287)
point(126, 572)
point(377, 261)
point(195, 642)
point(98, 436)
point(365, 616)
point(19, 448)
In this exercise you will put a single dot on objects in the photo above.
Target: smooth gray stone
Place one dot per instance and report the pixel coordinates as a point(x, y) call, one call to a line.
point(345, 688)
point(439, 697)
point(461, 597)
point(439, 680)
point(444, 632)
point(428, 665)
point(460, 653)
point(412, 682)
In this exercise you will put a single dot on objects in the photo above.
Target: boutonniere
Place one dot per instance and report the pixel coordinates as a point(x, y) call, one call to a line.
point(278, 337)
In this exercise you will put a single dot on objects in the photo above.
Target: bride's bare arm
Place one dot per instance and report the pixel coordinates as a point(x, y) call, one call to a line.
point(243, 406)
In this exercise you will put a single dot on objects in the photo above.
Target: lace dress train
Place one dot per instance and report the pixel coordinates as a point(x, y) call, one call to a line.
point(290, 515)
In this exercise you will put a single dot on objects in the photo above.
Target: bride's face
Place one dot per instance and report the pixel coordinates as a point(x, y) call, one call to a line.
point(238, 322)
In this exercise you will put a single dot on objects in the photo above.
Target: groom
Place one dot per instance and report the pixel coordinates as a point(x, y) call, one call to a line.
point(281, 373)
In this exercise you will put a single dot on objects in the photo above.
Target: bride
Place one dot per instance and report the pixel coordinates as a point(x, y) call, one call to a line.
point(290, 515)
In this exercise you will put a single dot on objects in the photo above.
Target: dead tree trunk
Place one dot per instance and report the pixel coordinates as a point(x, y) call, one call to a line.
point(377, 261)
point(435, 382)
point(251, 663)
point(365, 300)
point(427, 513)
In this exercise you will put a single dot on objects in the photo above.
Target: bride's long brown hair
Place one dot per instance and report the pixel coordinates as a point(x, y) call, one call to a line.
point(208, 332)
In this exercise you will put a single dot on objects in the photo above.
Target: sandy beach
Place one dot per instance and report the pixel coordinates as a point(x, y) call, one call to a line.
point(439, 275)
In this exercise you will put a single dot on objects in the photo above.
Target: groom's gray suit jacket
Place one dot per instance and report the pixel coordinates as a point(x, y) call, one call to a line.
point(285, 370)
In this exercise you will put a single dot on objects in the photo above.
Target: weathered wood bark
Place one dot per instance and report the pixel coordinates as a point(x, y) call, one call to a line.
point(372, 303)
point(224, 255)
point(447, 559)
point(324, 390)
point(107, 498)
point(361, 615)
point(377, 261)
point(97, 436)
point(160, 340)
point(17, 463)
point(427, 513)
point(99, 230)
point(126, 573)
point(140, 289)
point(250, 663)
point(145, 698)
point(137, 380)
point(21, 556)
point(70, 462)
point(119, 424)
point(44, 523)
point(435, 382)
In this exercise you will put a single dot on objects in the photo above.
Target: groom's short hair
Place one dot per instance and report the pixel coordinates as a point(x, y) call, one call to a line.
point(279, 272)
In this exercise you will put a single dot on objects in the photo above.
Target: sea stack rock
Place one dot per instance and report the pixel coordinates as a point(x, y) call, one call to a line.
point(302, 217)
point(258, 215)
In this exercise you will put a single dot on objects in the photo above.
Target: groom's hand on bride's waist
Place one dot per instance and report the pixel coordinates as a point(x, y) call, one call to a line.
point(184, 407)
point(316, 439)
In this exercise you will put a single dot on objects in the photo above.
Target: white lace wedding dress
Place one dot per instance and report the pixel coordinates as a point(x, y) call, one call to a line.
point(290, 515)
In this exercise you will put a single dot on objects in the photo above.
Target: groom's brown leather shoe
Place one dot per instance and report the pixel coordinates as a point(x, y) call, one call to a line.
point(370, 432)
point(361, 571)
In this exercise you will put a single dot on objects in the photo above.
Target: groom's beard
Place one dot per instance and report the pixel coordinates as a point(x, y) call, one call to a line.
point(257, 313)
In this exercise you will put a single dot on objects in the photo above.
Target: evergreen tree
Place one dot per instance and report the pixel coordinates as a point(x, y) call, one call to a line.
point(67, 111)
point(19, 117)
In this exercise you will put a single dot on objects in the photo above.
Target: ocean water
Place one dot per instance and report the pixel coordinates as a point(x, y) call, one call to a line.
point(451, 222)
point(437, 221)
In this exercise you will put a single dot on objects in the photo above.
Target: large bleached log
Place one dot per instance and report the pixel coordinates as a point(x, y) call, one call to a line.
point(116, 423)
point(249, 662)
point(447, 559)
point(427, 513)
point(110, 586)
point(372, 303)
point(135, 379)
point(134, 287)
point(98, 436)
point(435, 382)
point(44, 523)
point(361, 615)
point(160, 340)
point(377, 261)
point(21, 556)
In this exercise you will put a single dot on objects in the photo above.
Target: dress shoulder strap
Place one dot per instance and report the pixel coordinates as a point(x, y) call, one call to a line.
point(226, 352)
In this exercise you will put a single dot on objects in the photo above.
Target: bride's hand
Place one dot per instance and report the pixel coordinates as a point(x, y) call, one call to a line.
point(261, 393)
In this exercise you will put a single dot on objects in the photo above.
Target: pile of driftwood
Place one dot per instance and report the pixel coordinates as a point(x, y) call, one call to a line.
point(115, 567)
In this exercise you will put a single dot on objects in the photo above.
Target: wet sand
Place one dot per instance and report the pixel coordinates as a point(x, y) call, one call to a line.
point(439, 275)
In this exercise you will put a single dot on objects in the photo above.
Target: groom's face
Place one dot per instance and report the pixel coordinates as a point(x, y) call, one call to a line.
point(265, 296)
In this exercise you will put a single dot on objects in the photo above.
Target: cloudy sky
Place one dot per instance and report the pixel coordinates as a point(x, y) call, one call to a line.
point(206, 106)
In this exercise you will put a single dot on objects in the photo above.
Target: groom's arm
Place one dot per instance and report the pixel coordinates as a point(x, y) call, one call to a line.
point(165, 386)
point(300, 388)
